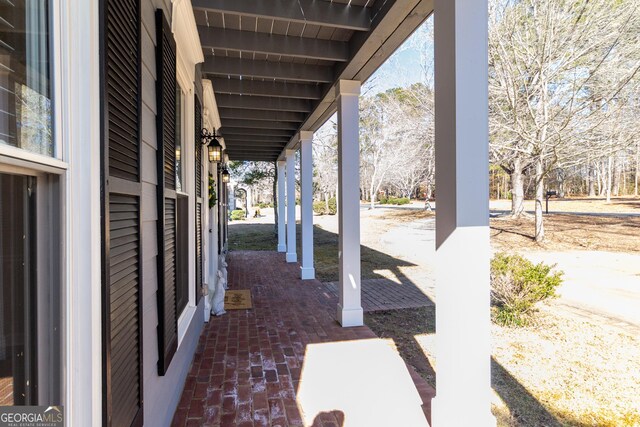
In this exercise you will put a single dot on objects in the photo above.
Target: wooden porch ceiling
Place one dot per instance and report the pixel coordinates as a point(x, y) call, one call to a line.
point(273, 64)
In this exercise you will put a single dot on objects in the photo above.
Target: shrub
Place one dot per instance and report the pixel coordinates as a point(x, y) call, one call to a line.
point(394, 200)
point(399, 201)
point(320, 207)
point(383, 200)
point(333, 206)
point(517, 285)
point(238, 215)
point(263, 205)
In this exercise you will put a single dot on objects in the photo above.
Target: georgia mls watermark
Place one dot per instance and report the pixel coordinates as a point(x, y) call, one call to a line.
point(31, 416)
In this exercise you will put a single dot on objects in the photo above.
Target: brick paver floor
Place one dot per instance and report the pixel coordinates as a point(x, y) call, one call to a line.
point(386, 294)
point(248, 363)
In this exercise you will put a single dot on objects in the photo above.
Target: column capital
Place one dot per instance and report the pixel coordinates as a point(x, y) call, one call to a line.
point(305, 135)
point(348, 87)
point(289, 152)
point(282, 163)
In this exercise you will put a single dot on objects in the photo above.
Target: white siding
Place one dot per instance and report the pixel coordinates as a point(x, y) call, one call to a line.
point(161, 394)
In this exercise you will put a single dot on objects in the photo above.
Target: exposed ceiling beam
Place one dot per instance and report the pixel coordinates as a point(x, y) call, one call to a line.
point(262, 103)
point(263, 151)
point(229, 131)
point(262, 88)
point(269, 159)
point(257, 138)
point(226, 66)
point(254, 155)
point(273, 44)
point(244, 147)
point(249, 158)
point(249, 142)
point(304, 11)
point(259, 124)
point(272, 116)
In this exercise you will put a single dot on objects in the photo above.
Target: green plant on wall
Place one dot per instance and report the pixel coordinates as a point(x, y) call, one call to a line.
point(212, 192)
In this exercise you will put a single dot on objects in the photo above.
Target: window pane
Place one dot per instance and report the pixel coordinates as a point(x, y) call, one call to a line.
point(18, 349)
point(178, 139)
point(182, 254)
point(25, 86)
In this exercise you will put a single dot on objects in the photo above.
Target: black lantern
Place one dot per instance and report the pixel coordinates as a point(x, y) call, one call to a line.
point(225, 176)
point(213, 146)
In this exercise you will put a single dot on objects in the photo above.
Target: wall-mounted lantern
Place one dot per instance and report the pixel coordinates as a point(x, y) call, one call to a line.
point(213, 146)
point(226, 176)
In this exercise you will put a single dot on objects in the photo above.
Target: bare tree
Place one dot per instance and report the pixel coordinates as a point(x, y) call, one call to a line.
point(557, 68)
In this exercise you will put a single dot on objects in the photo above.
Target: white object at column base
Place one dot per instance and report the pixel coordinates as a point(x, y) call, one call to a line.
point(292, 257)
point(207, 304)
point(349, 317)
point(307, 273)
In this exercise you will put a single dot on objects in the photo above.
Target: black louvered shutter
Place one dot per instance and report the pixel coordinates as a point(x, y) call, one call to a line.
point(199, 200)
point(121, 229)
point(166, 192)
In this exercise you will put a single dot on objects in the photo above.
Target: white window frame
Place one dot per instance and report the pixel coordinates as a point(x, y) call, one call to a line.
point(185, 76)
point(55, 164)
point(75, 26)
point(77, 130)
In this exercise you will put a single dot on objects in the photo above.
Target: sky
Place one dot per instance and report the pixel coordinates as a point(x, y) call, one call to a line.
point(411, 63)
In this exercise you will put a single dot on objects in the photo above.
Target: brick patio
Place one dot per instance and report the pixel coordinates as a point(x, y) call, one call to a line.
point(386, 294)
point(248, 365)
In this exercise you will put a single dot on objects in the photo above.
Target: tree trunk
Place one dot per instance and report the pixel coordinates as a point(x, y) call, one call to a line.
point(635, 192)
point(517, 189)
point(539, 199)
point(592, 180)
point(616, 177)
point(326, 202)
point(624, 179)
point(609, 173)
point(600, 177)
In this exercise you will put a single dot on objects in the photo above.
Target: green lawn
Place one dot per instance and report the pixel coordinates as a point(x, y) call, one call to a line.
point(262, 237)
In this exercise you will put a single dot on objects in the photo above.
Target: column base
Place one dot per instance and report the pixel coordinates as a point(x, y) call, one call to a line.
point(307, 273)
point(292, 257)
point(282, 248)
point(349, 317)
point(441, 416)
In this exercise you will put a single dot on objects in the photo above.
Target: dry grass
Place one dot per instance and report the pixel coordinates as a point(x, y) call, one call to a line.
point(568, 232)
point(579, 204)
point(260, 237)
point(560, 372)
point(582, 373)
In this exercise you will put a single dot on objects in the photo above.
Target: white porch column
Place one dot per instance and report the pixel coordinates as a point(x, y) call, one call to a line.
point(349, 307)
point(282, 243)
point(462, 215)
point(291, 206)
point(307, 271)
